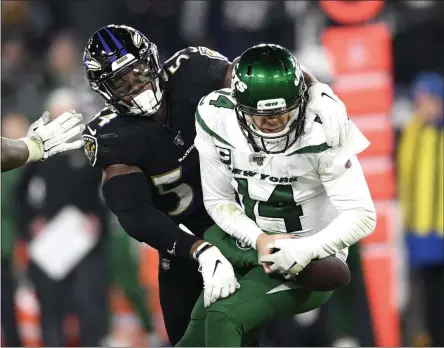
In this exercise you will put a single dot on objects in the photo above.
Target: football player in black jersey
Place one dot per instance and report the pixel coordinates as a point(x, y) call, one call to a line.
point(144, 141)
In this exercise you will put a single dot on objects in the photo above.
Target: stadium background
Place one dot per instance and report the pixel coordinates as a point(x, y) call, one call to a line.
point(369, 51)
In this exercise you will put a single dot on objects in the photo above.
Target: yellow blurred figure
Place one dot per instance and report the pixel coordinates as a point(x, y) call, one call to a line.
point(421, 193)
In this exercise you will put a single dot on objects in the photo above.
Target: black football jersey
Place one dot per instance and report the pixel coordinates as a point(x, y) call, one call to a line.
point(165, 153)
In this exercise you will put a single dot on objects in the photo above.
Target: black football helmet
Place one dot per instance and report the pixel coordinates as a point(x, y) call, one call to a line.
point(122, 65)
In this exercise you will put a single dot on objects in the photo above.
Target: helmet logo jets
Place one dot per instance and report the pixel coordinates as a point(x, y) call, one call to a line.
point(238, 84)
point(297, 73)
point(241, 245)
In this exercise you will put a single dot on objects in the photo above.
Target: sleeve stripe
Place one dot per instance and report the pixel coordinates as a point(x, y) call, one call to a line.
point(228, 94)
point(311, 149)
point(207, 129)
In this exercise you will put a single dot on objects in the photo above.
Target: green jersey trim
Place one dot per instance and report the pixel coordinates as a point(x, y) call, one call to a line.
point(228, 94)
point(311, 149)
point(208, 130)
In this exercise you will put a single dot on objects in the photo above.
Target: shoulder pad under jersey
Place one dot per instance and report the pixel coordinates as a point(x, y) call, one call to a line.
point(110, 139)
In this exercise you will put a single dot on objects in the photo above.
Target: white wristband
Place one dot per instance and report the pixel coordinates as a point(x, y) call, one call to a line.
point(35, 149)
point(197, 252)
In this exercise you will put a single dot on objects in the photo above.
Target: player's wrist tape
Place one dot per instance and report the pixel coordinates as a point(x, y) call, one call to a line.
point(35, 150)
point(200, 249)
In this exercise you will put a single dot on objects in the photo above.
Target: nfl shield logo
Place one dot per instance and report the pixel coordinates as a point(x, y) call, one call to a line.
point(178, 140)
point(258, 159)
point(165, 264)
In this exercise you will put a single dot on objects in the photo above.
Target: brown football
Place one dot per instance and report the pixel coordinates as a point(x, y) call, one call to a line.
point(329, 273)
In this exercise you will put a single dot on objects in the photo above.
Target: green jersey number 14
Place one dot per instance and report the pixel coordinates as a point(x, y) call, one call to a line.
point(280, 205)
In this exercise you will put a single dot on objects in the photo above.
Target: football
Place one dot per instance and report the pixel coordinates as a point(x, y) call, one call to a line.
point(329, 273)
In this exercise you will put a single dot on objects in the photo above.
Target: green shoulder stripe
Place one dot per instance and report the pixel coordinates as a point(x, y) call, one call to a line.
point(311, 149)
point(207, 129)
point(228, 94)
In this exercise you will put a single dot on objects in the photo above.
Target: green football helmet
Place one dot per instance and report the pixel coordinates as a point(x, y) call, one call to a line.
point(267, 80)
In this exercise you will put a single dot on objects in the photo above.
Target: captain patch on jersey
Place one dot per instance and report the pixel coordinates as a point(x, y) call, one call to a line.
point(90, 147)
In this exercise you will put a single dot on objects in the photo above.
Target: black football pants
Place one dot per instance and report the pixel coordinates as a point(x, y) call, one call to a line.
point(180, 285)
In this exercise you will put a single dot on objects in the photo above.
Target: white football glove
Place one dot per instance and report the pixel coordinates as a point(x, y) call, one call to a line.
point(47, 139)
point(218, 275)
point(324, 103)
point(291, 258)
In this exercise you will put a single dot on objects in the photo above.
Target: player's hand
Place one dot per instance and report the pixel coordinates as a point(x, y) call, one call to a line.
point(264, 247)
point(324, 103)
point(218, 275)
point(290, 256)
point(45, 139)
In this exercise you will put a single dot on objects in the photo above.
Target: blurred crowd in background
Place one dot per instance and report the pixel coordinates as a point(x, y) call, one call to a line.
point(109, 296)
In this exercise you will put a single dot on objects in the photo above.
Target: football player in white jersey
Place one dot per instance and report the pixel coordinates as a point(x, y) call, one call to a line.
point(280, 196)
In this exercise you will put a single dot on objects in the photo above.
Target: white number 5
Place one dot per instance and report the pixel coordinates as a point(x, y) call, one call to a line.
point(183, 191)
point(178, 57)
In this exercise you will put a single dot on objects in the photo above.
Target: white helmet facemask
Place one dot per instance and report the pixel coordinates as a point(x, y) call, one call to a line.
point(147, 103)
point(136, 87)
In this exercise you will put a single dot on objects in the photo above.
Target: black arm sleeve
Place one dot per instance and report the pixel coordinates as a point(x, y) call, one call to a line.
point(129, 197)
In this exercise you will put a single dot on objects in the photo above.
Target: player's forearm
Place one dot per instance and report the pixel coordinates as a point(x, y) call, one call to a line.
point(349, 193)
point(148, 225)
point(129, 199)
point(346, 229)
point(15, 153)
point(230, 217)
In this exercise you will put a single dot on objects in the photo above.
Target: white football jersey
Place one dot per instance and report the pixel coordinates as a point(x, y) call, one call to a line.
point(280, 192)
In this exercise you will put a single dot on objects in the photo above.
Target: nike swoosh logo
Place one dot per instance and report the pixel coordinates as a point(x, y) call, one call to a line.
point(215, 266)
point(325, 94)
point(93, 132)
point(284, 287)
